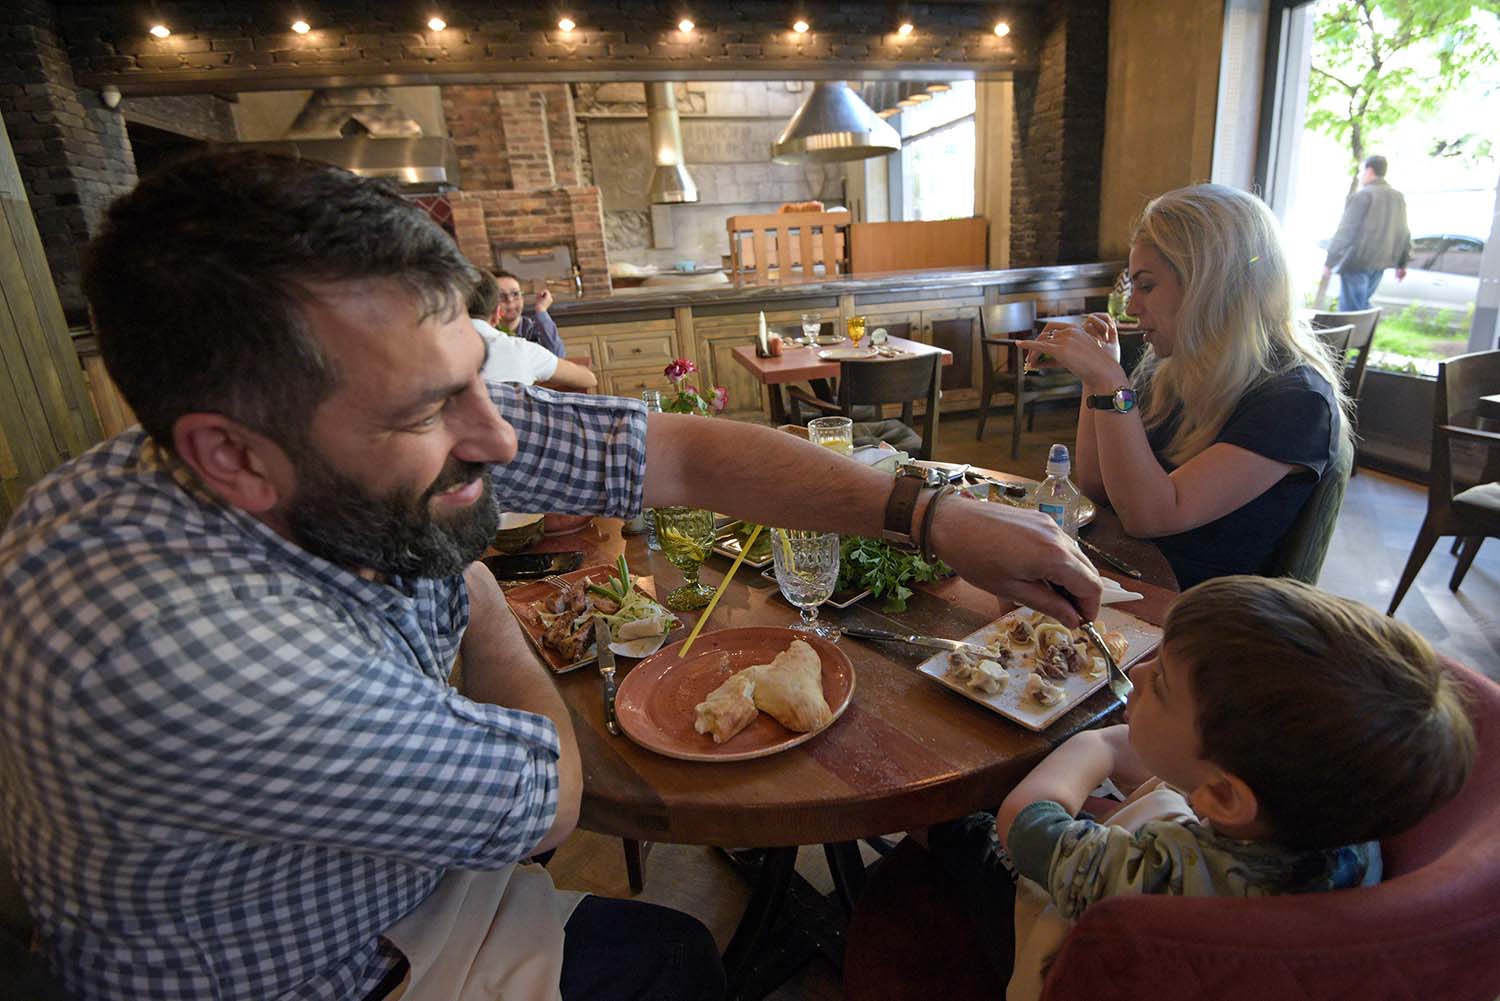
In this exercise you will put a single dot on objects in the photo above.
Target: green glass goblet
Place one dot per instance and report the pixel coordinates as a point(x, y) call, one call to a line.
point(686, 535)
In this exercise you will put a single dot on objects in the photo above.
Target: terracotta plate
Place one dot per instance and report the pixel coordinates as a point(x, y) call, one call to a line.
point(523, 601)
point(655, 702)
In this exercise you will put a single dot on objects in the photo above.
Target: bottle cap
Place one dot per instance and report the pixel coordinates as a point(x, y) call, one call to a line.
point(1058, 463)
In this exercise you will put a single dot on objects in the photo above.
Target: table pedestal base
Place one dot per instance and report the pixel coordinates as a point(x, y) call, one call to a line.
point(786, 924)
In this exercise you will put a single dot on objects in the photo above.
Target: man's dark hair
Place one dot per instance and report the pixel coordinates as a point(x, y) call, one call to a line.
point(1377, 163)
point(1342, 721)
point(502, 273)
point(198, 280)
point(485, 298)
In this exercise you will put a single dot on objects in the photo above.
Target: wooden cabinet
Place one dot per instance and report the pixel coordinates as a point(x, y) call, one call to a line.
point(946, 325)
point(631, 382)
point(641, 351)
point(717, 337)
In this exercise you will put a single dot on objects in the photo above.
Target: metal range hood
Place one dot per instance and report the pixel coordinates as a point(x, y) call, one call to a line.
point(428, 163)
point(833, 125)
point(671, 184)
point(364, 131)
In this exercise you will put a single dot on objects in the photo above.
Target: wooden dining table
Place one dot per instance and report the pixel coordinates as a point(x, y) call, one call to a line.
point(907, 752)
point(803, 364)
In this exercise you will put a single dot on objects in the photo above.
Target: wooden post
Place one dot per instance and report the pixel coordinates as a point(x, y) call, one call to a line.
point(46, 416)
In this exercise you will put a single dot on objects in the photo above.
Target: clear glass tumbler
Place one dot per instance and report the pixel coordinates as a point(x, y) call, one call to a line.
point(807, 570)
point(836, 433)
point(812, 324)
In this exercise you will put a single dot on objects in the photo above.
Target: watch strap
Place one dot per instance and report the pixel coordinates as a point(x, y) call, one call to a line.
point(901, 508)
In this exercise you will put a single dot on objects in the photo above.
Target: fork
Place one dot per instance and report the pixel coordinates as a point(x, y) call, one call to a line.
point(1118, 682)
point(556, 581)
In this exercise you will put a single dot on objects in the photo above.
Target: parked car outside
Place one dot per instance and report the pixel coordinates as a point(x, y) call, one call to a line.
point(1441, 275)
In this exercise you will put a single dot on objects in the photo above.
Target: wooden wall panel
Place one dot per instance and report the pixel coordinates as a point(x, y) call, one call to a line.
point(902, 246)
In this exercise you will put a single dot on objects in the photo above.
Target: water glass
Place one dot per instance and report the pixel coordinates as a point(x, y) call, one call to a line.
point(812, 325)
point(686, 535)
point(807, 570)
point(836, 433)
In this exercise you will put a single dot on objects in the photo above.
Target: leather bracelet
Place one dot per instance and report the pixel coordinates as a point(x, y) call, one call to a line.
point(927, 553)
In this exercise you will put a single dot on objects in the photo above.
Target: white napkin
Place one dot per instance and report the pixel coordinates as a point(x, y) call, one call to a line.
point(1114, 594)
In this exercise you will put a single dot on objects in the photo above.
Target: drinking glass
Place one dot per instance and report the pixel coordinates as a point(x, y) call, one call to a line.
point(812, 324)
point(836, 433)
point(807, 569)
point(686, 535)
point(856, 325)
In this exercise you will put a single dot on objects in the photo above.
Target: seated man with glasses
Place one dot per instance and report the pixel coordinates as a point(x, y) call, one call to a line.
point(537, 327)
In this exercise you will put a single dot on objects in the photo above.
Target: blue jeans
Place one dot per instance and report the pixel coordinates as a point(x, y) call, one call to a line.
point(1356, 287)
point(626, 950)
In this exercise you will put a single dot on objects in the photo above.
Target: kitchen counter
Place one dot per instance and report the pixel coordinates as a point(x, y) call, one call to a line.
point(939, 283)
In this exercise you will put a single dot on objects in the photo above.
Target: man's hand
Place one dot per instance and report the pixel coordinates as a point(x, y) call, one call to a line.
point(544, 300)
point(1327, 272)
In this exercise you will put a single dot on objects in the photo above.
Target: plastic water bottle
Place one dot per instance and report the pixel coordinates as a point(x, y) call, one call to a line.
point(652, 398)
point(1057, 497)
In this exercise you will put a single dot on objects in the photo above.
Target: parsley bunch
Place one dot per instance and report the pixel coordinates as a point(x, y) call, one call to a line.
point(884, 570)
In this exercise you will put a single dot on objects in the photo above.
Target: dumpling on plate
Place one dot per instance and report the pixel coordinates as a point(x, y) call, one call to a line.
point(1042, 691)
point(790, 688)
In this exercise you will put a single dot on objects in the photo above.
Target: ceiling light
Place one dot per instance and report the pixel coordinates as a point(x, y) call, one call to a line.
point(800, 27)
point(566, 24)
point(889, 112)
point(939, 88)
point(908, 102)
point(905, 29)
point(1002, 29)
point(684, 26)
point(301, 27)
point(437, 24)
point(160, 30)
point(919, 97)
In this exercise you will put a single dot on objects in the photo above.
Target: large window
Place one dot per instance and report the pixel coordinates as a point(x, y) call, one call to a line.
point(937, 155)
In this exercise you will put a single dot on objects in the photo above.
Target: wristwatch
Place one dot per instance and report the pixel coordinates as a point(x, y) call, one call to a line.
point(902, 505)
point(1121, 401)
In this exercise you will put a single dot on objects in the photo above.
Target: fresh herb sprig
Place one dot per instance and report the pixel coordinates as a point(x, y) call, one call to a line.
point(884, 570)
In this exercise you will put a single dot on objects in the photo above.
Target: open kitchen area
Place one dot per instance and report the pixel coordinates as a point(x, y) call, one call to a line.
point(903, 530)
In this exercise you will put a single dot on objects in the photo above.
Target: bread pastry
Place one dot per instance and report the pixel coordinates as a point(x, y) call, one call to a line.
point(790, 688)
point(1042, 691)
point(728, 709)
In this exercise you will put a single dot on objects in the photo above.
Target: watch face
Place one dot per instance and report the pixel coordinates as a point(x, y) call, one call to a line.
point(1124, 400)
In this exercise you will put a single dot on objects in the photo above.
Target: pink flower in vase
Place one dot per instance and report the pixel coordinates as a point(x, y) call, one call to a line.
point(720, 401)
point(679, 369)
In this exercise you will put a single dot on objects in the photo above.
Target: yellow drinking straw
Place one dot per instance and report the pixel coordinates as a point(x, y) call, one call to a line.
point(698, 626)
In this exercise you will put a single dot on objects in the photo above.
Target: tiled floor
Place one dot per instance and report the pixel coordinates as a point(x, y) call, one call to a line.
point(1376, 527)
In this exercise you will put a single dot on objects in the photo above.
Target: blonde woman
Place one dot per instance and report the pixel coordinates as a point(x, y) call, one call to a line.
point(1234, 412)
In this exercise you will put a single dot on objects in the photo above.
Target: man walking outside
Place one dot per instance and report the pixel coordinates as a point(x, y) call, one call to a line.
point(1371, 237)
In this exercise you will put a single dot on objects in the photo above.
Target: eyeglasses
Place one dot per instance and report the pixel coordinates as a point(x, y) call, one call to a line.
point(506, 296)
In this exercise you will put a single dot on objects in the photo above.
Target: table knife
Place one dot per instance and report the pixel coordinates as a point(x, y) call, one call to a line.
point(602, 640)
point(916, 639)
point(1114, 561)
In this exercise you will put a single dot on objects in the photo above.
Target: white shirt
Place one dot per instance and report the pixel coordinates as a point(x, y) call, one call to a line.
point(514, 359)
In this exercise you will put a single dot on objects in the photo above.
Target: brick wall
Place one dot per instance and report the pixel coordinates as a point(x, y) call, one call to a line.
point(1059, 138)
point(72, 151)
point(471, 114)
point(224, 45)
point(482, 219)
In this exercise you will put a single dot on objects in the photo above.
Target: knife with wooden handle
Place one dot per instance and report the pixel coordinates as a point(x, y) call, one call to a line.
point(602, 640)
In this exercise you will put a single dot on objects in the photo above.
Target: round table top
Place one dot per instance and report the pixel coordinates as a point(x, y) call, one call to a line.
point(906, 753)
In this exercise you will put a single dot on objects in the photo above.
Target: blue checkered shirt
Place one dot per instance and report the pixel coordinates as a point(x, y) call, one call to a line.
point(228, 765)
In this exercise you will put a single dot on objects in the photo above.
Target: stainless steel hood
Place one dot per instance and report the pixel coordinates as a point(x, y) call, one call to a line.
point(429, 163)
point(671, 184)
point(833, 124)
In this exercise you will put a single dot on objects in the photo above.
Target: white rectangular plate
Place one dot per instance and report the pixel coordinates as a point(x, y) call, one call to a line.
point(1141, 636)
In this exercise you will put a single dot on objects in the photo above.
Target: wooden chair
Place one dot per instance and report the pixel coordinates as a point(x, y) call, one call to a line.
point(787, 244)
point(1001, 328)
point(876, 382)
point(1472, 514)
point(1336, 339)
point(1364, 322)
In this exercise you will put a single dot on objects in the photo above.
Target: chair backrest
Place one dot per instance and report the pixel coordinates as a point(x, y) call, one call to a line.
point(900, 380)
point(1305, 544)
point(1336, 339)
point(1364, 322)
point(1008, 319)
point(788, 242)
point(1429, 930)
point(1461, 381)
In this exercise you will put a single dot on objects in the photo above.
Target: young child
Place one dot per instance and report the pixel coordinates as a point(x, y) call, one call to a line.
point(1278, 733)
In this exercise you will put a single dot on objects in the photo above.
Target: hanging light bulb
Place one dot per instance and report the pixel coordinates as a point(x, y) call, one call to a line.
point(685, 26)
point(301, 27)
point(160, 30)
point(905, 29)
point(800, 26)
point(566, 24)
point(1002, 29)
point(437, 24)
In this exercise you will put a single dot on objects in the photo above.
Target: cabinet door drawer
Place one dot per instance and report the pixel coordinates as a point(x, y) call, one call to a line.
point(631, 382)
point(638, 352)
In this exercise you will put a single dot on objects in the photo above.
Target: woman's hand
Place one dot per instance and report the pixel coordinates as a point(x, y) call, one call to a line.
point(1090, 351)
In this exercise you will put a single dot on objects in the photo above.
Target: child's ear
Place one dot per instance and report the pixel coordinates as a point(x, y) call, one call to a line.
point(1226, 801)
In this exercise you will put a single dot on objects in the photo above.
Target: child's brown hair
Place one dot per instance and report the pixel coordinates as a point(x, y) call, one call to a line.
point(1341, 720)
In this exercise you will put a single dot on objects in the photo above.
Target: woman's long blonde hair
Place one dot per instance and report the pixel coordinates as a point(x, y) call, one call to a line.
point(1236, 325)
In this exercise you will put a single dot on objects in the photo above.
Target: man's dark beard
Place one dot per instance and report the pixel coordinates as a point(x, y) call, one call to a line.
point(336, 518)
